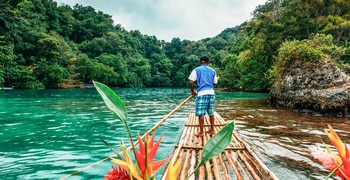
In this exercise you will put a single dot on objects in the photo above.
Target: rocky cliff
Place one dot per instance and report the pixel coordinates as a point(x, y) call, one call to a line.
point(317, 88)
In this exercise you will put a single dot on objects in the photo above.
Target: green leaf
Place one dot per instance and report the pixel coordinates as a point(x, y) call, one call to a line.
point(116, 105)
point(113, 102)
point(216, 144)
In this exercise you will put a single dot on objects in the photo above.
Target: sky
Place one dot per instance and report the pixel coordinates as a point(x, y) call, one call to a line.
point(167, 19)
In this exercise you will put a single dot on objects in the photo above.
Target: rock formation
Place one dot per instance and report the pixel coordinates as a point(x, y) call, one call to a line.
point(317, 88)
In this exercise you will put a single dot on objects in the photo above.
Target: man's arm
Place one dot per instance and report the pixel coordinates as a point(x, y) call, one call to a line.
point(216, 81)
point(192, 88)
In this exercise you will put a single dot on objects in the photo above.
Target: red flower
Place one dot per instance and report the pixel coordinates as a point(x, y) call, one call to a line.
point(117, 173)
point(146, 156)
point(343, 160)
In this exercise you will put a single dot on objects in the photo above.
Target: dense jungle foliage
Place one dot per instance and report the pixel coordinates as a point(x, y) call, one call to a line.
point(46, 45)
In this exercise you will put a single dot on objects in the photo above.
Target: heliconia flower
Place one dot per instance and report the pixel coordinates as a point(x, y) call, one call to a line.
point(346, 162)
point(146, 156)
point(335, 140)
point(337, 160)
point(128, 164)
point(117, 173)
point(344, 153)
point(173, 170)
point(324, 157)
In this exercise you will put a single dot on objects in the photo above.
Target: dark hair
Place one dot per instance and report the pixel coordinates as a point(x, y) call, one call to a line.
point(204, 58)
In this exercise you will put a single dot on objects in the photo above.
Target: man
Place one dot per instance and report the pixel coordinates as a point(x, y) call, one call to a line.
point(206, 79)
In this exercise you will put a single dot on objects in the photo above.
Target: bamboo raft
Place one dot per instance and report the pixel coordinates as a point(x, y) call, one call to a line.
point(237, 161)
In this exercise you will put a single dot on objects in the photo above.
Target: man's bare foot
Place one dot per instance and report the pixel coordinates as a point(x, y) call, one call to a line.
point(210, 132)
point(199, 135)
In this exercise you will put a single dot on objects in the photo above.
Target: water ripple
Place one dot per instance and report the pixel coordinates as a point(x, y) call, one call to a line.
point(48, 134)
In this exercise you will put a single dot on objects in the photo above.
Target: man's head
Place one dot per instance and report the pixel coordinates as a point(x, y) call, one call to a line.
point(204, 60)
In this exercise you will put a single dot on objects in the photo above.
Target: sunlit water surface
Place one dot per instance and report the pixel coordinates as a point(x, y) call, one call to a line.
point(49, 134)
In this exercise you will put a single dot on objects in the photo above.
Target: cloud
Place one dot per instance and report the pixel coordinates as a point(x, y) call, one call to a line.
point(166, 19)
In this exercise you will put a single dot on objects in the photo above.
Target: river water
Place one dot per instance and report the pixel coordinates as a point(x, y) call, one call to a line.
point(49, 134)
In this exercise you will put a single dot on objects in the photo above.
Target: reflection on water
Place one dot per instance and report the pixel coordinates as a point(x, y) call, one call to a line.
point(282, 138)
point(51, 133)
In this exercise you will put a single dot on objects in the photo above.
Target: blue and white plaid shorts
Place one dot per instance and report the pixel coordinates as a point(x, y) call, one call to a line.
point(205, 104)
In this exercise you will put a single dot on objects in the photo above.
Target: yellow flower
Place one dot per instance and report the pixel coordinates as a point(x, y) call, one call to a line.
point(173, 170)
point(128, 164)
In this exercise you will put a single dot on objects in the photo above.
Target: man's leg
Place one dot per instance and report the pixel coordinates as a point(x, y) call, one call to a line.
point(211, 130)
point(211, 114)
point(201, 126)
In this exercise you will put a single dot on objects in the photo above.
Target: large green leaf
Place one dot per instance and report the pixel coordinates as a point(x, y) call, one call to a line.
point(112, 100)
point(216, 144)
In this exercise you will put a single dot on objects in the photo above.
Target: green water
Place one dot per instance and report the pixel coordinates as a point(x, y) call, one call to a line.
point(48, 134)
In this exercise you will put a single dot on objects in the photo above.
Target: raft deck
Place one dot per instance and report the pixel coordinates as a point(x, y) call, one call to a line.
point(237, 161)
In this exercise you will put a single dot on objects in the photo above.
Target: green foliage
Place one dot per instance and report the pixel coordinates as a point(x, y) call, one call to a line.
point(104, 74)
point(51, 76)
point(6, 52)
point(318, 48)
point(118, 64)
point(38, 37)
point(231, 74)
point(84, 68)
point(22, 77)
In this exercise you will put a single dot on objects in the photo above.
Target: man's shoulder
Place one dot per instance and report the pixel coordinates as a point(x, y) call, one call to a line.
point(204, 68)
point(210, 69)
point(198, 67)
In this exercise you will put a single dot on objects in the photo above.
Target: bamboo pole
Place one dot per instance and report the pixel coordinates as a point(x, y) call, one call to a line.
point(233, 166)
point(192, 165)
point(180, 151)
point(238, 156)
point(142, 137)
point(249, 149)
point(224, 168)
point(205, 125)
point(168, 115)
point(197, 148)
point(249, 166)
point(216, 169)
point(188, 136)
point(201, 174)
point(173, 159)
point(183, 173)
point(209, 172)
point(238, 162)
